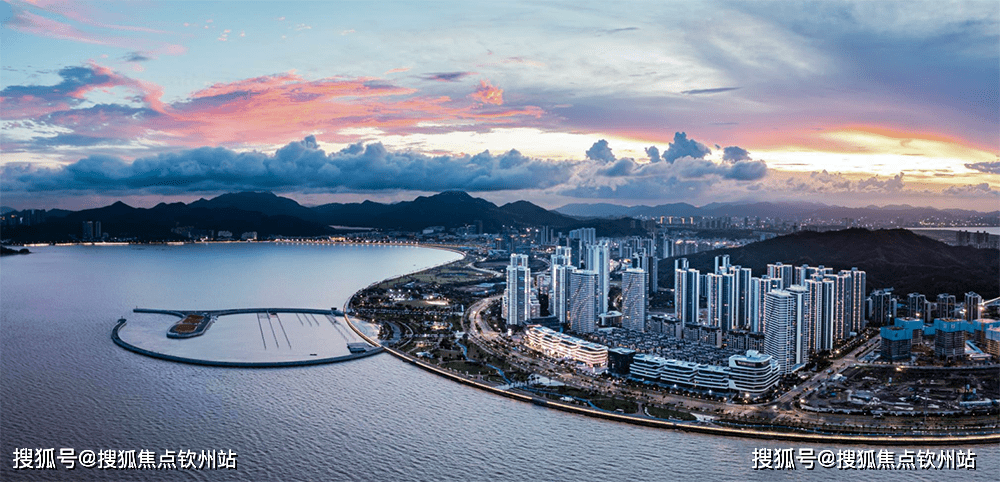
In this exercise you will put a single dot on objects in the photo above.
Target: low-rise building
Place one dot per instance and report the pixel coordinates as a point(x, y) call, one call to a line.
point(620, 360)
point(753, 374)
point(558, 345)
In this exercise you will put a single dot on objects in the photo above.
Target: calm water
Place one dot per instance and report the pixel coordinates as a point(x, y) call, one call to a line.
point(65, 384)
point(994, 230)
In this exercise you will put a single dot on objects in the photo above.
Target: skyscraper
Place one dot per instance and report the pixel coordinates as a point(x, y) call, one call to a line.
point(721, 264)
point(759, 288)
point(562, 267)
point(946, 305)
point(883, 309)
point(741, 312)
point(666, 248)
point(917, 307)
point(973, 306)
point(783, 271)
point(579, 239)
point(858, 295)
point(779, 337)
point(599, 261)
point(583, 301)
point(634, 299)
point(802, 273)
point(786, 338)
point(721, 300)
point(803, 329)
point(820, 313)
point(842, 291)
point(686, 292)
point(648, 263)
point(518, 294)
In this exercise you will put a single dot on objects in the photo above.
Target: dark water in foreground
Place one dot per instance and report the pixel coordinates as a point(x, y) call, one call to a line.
point(65, 384)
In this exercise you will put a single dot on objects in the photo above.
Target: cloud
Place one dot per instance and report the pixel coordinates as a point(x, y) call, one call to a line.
point(447, 76)
point(137, 57)
point(602, 176)
point(682, 146)
point(692, 168)
point(56, 19)
point(987, 167)
point(76, 81)
point(617, 30)
point(824, 182)
point(23, 101)
point(746, 171)
point(488, 94)
point(75, 140)
point(620, 168)
point(600, 151)
point(895, 184)
point(972, 190)
point(31, 23)
point(235, 113)
point(735, 153)
point(716, 90)
point(298, 165)
point(653, 153)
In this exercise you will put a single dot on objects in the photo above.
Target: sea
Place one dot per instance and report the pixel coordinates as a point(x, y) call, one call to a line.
point(993, 230)
point(66, 386)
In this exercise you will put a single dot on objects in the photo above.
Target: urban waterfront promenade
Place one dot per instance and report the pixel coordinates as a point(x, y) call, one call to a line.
point(704, 424)
point(697, 427)
point(279, 352)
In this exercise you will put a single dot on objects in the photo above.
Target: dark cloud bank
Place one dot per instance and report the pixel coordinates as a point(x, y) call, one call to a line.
point(298, 165)
point(302, 165)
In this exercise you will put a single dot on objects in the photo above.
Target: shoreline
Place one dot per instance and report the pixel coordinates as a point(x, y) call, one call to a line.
point(985, 439)
point(976, 439)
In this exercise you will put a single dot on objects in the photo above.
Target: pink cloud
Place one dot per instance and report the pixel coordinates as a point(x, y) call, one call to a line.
point(56, 19)
point(260, 110)
point(488, 94)
point(27, 22)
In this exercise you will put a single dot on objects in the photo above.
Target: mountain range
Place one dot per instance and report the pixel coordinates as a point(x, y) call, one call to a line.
point(895, 258)
point(269, 214)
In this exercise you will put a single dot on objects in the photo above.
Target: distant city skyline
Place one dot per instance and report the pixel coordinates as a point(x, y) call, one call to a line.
point(846, 103)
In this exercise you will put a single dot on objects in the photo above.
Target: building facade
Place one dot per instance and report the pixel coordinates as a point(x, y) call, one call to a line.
point(517, 297)
point(634, 300)
point(583, 301)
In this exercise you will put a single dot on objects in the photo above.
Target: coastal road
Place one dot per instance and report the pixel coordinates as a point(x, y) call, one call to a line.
point(478, 328)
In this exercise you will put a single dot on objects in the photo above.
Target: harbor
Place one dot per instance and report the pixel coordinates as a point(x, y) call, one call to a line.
point(243, 337)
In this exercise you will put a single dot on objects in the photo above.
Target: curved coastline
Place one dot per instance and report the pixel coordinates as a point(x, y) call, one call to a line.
point(374, 350)
point(978, 439)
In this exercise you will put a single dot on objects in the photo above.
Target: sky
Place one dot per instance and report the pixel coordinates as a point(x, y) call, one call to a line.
point(848, 103)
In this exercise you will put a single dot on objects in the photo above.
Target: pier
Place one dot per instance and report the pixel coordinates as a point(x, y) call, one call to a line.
point(279, 344)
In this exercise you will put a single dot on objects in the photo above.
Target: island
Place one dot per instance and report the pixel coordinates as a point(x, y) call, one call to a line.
point(5, 251)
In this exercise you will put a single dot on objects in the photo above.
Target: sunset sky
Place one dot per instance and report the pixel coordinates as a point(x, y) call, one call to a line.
point(849, 103)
